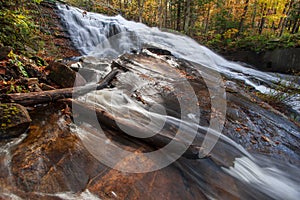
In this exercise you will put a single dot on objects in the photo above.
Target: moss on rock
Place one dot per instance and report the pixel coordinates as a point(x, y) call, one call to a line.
point(14, 120)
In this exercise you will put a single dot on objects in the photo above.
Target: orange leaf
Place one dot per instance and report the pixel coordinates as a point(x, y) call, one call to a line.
point(238, 129)
point(265, 138)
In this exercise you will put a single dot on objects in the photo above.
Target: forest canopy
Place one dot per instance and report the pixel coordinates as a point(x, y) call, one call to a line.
point(223, 25)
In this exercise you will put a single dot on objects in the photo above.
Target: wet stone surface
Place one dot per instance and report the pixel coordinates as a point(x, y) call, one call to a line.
point(52, 162)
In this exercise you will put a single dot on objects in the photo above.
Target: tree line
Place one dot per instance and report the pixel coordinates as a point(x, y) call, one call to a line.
point(194, 17)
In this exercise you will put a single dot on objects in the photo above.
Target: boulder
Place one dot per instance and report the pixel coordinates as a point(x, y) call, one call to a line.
point(64, 76)
point(14, 120)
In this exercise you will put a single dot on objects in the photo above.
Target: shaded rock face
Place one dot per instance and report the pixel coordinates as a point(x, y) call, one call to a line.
point(14, 120)
point(282, 60)
point(53, 162)
point(260, 129)
point(279, 60)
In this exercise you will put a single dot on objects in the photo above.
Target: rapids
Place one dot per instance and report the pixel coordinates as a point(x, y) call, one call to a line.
point(100, 36)
point(215, 141)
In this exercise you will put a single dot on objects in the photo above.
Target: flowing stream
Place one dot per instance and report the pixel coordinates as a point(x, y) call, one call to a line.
point(199, 153)
point(102, 36)
point(98, 36)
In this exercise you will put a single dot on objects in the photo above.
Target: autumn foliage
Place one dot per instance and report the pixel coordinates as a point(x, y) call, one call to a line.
point(212, 21)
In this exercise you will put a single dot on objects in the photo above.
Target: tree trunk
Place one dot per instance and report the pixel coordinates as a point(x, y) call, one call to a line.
point(164, 13)
point(160, 13)
point(254, 15)
point(187, 17)
point(120, 5)
point(295, 26)
point(243, 16)
point(193, 18)
point(207, 19)
point(34, 98)
point(284, 23)
point(140, 10)
point(263, 19)
point(178, 21)
point(283, 18)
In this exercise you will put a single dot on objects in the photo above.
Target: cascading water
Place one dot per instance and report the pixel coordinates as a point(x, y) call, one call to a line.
point(250, 176)
point(99, 36)
point(102, 36)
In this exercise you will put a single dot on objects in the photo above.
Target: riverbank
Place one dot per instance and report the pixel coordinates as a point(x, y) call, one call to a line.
point(31, 62)
point(57, 44)
point(31, 69)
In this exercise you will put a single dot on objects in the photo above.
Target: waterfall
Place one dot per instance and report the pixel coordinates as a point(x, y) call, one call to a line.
point(100, 36)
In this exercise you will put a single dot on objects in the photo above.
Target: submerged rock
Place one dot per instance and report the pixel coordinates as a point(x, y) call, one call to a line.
point(14, 120)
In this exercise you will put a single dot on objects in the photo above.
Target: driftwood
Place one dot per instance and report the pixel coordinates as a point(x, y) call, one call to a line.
point(34, 98)
point(84, 111)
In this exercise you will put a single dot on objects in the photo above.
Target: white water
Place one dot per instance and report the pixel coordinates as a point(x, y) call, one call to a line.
point(5, 154)
point(271, 179)
point(85, 195)
point(92, 34)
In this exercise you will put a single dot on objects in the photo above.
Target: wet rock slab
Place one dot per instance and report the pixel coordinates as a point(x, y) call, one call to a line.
point(52, 162)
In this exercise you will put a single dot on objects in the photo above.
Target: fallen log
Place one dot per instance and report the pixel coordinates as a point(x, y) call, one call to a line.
point(84, 111)
point(34, 98)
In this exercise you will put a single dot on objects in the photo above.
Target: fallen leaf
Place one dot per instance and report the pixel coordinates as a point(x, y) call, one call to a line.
point(265, 138)
point(253, 141)
point(238, 129)
point(66, 111)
